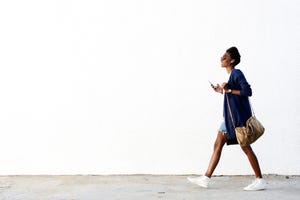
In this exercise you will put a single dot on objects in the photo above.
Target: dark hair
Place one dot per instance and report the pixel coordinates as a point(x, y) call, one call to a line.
point(234, 54)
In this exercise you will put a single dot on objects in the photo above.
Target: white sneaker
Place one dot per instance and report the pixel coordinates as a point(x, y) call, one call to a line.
point(258, 184)
point(202, 181)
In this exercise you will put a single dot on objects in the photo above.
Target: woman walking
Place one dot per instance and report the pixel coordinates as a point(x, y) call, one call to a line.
point(237, 90)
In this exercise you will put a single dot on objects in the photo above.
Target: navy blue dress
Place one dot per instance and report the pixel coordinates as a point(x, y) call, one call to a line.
point(239, 104)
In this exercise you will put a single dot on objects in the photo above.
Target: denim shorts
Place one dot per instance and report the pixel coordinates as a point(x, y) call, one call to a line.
point(223, 128)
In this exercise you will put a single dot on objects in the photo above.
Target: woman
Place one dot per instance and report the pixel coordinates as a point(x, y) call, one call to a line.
point(238, 90)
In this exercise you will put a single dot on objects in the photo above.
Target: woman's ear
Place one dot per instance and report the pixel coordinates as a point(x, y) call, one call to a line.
point(232, 61)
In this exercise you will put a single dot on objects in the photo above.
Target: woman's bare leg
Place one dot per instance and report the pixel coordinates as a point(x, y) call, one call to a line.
point(218, 146)
point(253, 160)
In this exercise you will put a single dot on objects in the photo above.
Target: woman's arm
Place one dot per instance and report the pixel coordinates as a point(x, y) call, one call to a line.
point(236, 92)
point(240, 80)
point(244, 85)
point(230, 91)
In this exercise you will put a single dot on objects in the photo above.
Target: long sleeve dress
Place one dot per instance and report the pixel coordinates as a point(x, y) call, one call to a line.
point(239, 104)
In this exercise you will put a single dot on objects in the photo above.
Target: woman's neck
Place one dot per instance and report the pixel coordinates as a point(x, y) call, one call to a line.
point(229, 69)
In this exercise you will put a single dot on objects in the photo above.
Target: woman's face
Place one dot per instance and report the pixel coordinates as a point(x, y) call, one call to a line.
point(226, 60)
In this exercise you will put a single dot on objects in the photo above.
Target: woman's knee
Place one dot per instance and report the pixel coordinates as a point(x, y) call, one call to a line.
point(220, 141)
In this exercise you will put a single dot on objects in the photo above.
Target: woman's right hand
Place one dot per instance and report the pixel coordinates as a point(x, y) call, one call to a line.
point(217, 88)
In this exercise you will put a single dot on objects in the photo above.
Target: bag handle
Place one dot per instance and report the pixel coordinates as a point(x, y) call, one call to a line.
point(230, 111)
point(252, 110)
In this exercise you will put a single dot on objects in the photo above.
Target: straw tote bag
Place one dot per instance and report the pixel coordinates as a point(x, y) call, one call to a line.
point(248, 134)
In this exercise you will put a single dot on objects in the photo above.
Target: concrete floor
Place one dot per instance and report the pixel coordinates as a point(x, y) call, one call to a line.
point(142, 187)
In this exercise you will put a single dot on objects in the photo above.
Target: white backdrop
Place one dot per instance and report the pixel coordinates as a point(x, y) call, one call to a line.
point(121, 87)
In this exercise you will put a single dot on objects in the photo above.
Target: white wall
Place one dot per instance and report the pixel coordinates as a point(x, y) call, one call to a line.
point(121, 87)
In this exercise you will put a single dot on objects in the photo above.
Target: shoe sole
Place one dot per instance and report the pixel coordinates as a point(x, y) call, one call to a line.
point(254, 190)
point(204, 186)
